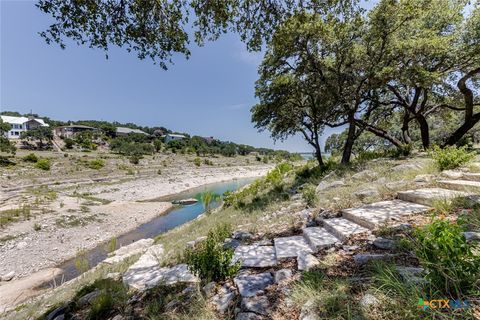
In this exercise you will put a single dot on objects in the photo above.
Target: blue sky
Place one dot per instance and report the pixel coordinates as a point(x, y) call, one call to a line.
point(209, 94)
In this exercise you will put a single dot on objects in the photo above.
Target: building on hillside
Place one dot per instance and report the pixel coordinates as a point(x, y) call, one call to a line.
point(21, 124)
point(208, 139)
point(71, 130)
point(123, 131)
point(172, 137)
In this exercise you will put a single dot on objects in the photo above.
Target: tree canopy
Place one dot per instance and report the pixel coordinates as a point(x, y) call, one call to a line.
point(396, 72)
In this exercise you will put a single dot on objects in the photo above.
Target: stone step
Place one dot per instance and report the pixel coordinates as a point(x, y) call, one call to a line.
point(376, 214)
point(319, 238)
point(255, 256)
point(461, 185)
point(343, 228)
point(471, 176)
point(290, 247)
point(429, 196)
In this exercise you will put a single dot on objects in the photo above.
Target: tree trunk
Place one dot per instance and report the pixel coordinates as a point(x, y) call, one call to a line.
point(471, 119)
point(347, 150)
point(460, 132)
point(424, 130)
point(406, 128)
point(381, 133)
point(318, 149)
point(318, 155)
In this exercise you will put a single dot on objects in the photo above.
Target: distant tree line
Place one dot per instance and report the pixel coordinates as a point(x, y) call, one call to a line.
point(135, 144)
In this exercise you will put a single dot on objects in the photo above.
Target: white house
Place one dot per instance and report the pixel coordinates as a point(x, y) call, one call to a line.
point(123, 131)
point(21, 124)
point(171, 137)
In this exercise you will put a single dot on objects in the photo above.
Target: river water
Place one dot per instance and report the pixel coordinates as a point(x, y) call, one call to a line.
point(163, 223)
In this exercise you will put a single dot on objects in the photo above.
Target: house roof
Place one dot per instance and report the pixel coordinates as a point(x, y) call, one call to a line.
point(78, 126)
point(129, 130)
point(21, 120)
point(176, 135)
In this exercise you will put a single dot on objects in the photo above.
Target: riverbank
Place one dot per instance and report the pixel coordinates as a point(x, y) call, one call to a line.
point(66, 220)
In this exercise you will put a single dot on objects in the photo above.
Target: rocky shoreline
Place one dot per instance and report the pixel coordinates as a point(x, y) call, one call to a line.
point(47, 240)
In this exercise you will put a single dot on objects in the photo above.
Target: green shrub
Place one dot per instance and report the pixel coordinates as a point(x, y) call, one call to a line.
point(197, 161)
point(134, 159)
point(69, 143)
point(43, 164)
point(37, 227)
point(210, 260)
point(451, 157)
point(309, 195)
point(32, 157)
point(96, 164)
point(449, 259)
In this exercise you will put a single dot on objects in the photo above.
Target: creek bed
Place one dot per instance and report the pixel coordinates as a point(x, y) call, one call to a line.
point(177, 216)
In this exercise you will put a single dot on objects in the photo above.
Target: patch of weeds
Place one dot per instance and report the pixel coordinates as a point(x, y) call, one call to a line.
point(75, 221)
point(88, 196)
point(452, 265)
point(43, 164)
point(96, 164)
point(309, 195)
point(32, 157)
point(210, 260)
point(112, 298)
point(81, 262)
point(111, 245)
point(331, 298)
point(37, 227)
point(451, 157)
point(84, 209)
point(385, 231)
point(197, 161)
point(12, 215)
point(402, 298)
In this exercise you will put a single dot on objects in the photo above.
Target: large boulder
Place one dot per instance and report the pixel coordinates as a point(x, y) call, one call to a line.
point(367, 193)
point(322, 186)
point(135, 248)
point(368, 175)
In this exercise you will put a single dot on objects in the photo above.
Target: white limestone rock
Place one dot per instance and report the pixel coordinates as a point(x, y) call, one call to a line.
point(306, 261)
point(251, 285)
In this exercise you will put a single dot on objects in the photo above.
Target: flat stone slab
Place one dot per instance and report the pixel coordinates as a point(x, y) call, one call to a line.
point(250, 285)
point(150, 258)
point(429, 196)
point(128, 251)
point(379, 213)
point(145, 278)
point(257, 304)
point(462, 185)
point(343, 228)
point(471, 176)
point(255, 256)
point(306, 261)
point(290, 247)
point(319, 238)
